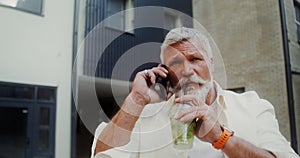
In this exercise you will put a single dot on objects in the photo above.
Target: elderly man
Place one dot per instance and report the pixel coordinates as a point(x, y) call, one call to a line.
point(142, 127)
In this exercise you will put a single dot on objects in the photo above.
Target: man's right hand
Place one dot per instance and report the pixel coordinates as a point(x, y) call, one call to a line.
point(117, 132)
point(142, 88)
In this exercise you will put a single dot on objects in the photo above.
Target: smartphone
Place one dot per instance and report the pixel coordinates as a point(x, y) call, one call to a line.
point(162, 84)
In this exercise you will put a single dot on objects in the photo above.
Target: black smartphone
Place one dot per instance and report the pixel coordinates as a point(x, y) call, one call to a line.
point(162, 84)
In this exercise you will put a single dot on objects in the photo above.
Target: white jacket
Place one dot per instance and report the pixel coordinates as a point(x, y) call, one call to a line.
point(251, 118)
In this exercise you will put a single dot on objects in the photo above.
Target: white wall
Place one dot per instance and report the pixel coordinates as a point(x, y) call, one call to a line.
point(38, 50)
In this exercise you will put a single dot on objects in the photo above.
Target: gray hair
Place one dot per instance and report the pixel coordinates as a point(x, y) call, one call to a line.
point(179, 34)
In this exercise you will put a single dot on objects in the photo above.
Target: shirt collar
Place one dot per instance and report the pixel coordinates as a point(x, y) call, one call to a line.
point(220, 95)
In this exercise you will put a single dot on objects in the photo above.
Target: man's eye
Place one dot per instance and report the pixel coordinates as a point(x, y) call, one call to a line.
point(196, 59)
point(175, 63)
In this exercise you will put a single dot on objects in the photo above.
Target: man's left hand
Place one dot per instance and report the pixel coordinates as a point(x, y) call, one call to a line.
point(207, 128)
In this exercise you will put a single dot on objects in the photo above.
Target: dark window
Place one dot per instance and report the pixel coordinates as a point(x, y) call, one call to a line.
point(43, 139)
point(120, 21)
point(13, 132)
point(296, 95)
point(16, 92)
point(117, 21)
point(46, 94)
point(297, 12)
point(237, 90)
point(27, 113)
point(171, 19)
point(45, 116)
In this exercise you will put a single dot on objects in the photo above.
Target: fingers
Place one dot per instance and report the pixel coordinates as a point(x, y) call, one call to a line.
point(151, 74)
point(191, 113)
point(190, 99)
point(197, 110)
point(182, 115)
point(162, 68)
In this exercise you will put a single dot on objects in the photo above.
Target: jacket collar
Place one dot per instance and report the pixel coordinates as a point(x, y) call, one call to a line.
point(220, 95)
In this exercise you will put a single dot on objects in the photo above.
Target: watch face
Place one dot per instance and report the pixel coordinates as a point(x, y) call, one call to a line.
point(227, 129)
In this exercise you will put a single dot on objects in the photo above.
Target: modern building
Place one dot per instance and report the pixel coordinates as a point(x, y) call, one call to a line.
point(35, 88)
point(64, 64)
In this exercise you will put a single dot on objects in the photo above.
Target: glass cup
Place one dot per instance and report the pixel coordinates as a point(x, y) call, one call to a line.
point(183, 133)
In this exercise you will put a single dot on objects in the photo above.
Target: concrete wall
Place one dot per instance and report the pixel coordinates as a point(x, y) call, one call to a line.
point(249, 37)
point(38, 50)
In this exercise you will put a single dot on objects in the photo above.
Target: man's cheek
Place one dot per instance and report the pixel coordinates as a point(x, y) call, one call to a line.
point(174, 77)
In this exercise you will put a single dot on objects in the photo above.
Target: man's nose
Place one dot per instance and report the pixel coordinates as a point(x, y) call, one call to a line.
point(187, 69)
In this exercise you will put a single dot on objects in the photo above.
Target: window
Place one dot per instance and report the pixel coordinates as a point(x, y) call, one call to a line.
point(27, 116)
point(120, 21)
point(296, 94)
point(297, 11)
point(237, 90)
point(31, 6)
point(172, 20)
point(10, 91)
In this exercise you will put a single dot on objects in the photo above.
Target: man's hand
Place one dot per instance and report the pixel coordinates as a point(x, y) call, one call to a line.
point(143, 84)
point(118, 130)
point(207, 128)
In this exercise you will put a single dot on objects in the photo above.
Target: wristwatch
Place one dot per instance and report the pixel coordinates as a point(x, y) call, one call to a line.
point(226, 134)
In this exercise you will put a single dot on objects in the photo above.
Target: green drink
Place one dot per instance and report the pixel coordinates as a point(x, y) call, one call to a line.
point(183, 133)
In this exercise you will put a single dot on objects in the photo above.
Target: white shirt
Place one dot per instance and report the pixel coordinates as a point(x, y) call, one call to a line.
point(251, 118)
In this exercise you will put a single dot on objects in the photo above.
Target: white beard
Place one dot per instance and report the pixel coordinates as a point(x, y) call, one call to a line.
point(201, 89)
point(202, 93)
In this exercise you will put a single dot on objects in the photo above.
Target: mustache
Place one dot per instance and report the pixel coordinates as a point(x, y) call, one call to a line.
point(192, 79)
